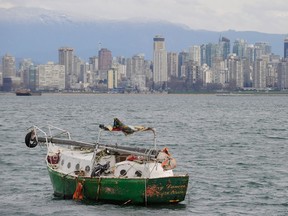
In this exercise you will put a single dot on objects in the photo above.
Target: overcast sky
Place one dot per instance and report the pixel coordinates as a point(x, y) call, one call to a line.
point(270, 16)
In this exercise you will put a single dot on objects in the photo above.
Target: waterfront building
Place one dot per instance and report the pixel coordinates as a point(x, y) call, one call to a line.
point(24, 67)
point(148, 65)
point(183, 57)
point(259, 74)
point(66, 58)
point(112, 79)
point(160, 75)
point(172, 64)
point(93, 73)
point(224, 44)
point(93, 63)
point(104, 59)
point(8, 71)
point(286, 48)
point(138, 79)
point(240, 48)
point(192, 73)
point(51, 76)
point(282, 72)
point(32, 78)
point(79, 72)
point(121, 71)
point(250, 54)
point(8, 66)
point(271, 76)
point(128, 68)
point(207, 74)
point(212, 52)
point(138, 64)
point(195, 54)
point(247, 72)
point(220, 71)
point(235, 71)
point(203, 54)
point(260, 49)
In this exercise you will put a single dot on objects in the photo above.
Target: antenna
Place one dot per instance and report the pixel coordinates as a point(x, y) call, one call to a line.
point(99, 46)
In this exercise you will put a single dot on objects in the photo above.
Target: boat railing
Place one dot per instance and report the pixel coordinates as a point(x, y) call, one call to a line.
point(48, 135)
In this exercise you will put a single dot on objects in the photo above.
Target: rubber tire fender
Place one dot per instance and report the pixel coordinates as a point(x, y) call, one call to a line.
point(30, 143)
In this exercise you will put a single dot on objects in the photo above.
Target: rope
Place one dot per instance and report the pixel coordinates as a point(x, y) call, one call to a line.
point(98, 189)
point(145, 191)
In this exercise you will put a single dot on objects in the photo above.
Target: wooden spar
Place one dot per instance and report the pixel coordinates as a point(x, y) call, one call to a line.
point(123, 149)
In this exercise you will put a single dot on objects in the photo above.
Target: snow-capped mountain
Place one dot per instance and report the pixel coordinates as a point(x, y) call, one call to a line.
point(38, 33)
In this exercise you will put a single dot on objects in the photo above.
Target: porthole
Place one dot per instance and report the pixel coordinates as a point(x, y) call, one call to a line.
point(123, 172)
point(138, 173)
point(87, 168)
point(69, 165)
point(62, 162)
point(77, 167)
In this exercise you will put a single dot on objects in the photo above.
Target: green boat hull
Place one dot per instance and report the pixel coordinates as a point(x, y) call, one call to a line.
point(122, 190)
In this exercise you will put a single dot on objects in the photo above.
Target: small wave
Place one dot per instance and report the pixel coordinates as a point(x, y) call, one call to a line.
point(254, 184)
point(276, 137)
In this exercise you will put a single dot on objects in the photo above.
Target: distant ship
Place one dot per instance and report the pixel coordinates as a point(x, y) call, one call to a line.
point(26, 92)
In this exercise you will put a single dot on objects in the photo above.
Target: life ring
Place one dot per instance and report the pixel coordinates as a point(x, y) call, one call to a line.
point(30, 139)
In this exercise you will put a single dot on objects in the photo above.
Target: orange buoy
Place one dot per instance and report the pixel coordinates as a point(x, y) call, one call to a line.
point(78, 194)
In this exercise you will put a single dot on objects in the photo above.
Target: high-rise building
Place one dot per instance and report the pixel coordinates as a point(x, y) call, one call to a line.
point(183, 57)
point(239, 48)
point(286, 47)
point(261, 48)
point(138, 79)
point(112, 78)
point(225, 47)
point(105, 59)
point(159, 61)
point(282, 75)
point(235, 70)
point(24, 67)
point(138, 64)
point(195, 54)
point(172, 64)
point(8, 71)
point(203, 54)
point(33, 78)
point(9, 66)
point(212, 53)
point(51, 76)
point(259, 74)
point(66, 58)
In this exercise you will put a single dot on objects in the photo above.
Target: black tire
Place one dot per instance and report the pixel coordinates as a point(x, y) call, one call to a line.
point(30, 143)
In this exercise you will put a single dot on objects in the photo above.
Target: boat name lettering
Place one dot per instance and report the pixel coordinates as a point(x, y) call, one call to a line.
point(175, 186)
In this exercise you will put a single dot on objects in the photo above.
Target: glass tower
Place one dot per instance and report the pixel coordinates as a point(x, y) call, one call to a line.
point(286, 47)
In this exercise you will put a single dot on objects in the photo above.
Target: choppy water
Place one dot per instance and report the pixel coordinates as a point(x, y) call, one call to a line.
point(234, 149)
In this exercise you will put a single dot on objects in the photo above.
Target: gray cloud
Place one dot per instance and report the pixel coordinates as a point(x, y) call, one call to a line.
point(257, 15)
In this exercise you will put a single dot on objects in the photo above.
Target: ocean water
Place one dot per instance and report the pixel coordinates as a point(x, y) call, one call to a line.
point(234, 148)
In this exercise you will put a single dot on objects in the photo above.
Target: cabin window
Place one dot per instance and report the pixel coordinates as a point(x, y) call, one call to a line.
point(123, 172)
point(138, 173)
point(77, 167)
point(87, 168)
point(69, 165)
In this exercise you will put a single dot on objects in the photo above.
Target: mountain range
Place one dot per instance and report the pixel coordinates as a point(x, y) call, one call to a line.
point(38, 34)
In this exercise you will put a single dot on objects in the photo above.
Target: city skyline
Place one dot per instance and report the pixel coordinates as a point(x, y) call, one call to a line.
point(208, 66)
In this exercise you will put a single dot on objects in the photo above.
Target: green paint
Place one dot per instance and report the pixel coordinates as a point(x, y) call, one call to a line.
point(122, 190)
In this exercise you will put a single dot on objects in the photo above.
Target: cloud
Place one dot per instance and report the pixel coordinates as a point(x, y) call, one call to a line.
point(257, 15)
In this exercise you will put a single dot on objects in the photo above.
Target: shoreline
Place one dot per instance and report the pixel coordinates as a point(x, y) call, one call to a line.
point(224, 94)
